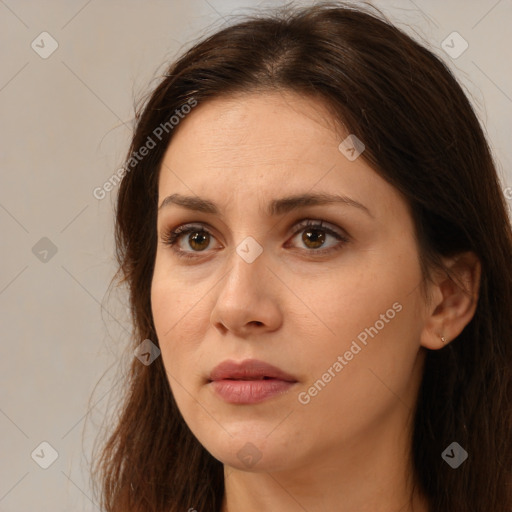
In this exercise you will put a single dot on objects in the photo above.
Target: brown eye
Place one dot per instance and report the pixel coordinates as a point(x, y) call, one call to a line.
point(199, 240)
point(313, 238)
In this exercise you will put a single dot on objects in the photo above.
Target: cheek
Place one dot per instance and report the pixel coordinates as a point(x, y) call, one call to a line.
point(169, 307)
point(171, 298)
point(344, 306)
point(353, 396)
point(372, 320)
point(180, 321)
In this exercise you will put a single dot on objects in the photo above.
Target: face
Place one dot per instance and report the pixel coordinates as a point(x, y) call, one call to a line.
point(326, 292)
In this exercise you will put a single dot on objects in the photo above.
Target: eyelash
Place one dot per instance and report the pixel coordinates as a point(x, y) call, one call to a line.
point(171, 237)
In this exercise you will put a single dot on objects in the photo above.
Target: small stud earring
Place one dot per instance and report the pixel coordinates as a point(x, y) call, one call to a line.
point(443, 339)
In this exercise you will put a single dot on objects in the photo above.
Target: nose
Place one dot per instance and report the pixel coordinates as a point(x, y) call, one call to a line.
point(247, 298)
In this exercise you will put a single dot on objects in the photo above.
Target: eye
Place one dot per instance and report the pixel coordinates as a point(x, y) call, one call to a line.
point(199, 239)
point(313, 235)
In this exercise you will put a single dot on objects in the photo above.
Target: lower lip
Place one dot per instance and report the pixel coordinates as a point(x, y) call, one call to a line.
point(249, 391)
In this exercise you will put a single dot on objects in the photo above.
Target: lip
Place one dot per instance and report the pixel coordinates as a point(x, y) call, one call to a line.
point(249, 381)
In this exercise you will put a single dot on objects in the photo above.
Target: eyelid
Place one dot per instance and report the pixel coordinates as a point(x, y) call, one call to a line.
point(297, 224)
point(318, 223)
point(175, 233)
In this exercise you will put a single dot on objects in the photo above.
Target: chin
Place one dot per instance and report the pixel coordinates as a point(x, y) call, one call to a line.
point(250, 451)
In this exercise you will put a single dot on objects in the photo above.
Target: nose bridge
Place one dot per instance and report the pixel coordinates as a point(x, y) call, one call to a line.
point(246, 294)
point(247, 257)
point(246, 268)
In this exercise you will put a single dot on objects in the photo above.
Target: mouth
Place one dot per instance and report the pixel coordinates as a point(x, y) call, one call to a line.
point(249, 382)
point(253, 378)
point(250, 369)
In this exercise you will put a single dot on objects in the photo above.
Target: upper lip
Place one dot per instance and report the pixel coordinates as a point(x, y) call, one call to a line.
point(249, 369)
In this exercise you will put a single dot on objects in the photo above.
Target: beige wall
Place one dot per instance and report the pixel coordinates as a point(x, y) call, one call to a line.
point(65, 127)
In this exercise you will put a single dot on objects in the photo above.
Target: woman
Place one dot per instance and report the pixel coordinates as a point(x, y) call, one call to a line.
point(315, 238)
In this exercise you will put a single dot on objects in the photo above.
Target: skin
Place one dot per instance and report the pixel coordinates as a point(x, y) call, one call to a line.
point(347, 450)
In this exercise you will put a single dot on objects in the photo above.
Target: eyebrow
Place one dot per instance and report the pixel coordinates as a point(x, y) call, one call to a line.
point(276, 206)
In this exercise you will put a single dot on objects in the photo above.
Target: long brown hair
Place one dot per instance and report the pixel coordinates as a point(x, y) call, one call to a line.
point(422, 136)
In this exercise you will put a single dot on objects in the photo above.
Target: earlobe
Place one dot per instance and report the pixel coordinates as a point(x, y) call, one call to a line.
point(457, 298)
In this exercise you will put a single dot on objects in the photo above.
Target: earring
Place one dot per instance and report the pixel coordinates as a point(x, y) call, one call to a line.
point(443, 339)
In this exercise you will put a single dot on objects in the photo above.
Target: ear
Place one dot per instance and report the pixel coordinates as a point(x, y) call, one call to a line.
point(454, 301)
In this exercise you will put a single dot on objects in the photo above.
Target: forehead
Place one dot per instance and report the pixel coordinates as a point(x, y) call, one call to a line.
point(255, 129)
point(247, 147)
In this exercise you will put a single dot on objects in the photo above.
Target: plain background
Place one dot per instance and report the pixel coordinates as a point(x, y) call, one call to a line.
point(65, 127)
